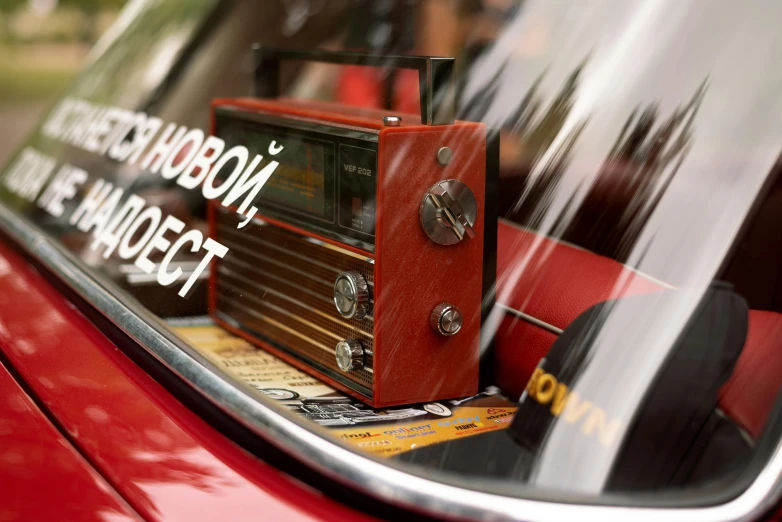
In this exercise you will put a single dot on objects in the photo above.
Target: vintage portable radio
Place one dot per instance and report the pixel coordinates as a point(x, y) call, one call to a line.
point(375, 244)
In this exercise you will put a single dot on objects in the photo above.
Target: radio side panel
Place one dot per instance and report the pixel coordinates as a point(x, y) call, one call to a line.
point(413, 363)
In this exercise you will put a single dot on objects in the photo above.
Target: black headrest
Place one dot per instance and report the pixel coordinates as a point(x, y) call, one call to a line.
point(576, 410)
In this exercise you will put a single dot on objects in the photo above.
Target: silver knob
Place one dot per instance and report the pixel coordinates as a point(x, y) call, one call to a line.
point(446, 319)
point(448, 212)
point(351, 295)
point(350, 355)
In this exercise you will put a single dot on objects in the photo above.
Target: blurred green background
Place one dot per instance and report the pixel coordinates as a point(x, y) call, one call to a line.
point(42, 46)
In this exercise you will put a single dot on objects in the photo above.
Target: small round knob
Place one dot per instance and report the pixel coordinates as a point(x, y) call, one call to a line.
point(350, 355)
point(351, 295)
point(446, 319)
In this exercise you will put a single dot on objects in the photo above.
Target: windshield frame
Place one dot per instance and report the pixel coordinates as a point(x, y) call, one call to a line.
point(382, 480)
point(389, 482)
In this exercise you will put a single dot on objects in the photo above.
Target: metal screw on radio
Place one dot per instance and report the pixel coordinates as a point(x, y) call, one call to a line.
point(392, 121)
point(444, 155)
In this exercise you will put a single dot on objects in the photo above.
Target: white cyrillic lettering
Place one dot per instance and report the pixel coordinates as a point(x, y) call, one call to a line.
point(62, 187)
point(213, 248)
point(158, 242)
point(96, 129)
point(241, 185)
point(100, 219)
point(85, 114)
point(119, 121)
point(163, 147)
point(15, 175)
point(143, 137)
point(238, 153)
point(253, 186)
point(151, 214)
point(29, 174)
point(182, 154)
point(89, 204)
point(75, 112)
point(54, 124)
point(164, 277)
point(119, 223)
point(123, 144)
point(197, 170)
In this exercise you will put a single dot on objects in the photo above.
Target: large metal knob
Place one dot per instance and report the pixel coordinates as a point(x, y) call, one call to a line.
point(448, 212)
point(351, 295)
point(350, 355)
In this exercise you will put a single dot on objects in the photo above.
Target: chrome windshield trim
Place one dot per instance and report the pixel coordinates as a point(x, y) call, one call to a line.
point(532, 320)
point(379, 479)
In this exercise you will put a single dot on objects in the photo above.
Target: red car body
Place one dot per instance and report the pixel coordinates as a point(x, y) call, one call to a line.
point(86, 434)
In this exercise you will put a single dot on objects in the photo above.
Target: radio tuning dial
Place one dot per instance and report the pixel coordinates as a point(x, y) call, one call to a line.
point(350, 355)
point(351, 295)
point(448, 212)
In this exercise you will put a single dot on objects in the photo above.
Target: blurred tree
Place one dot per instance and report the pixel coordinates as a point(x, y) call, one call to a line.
point(91, 10)
point(7, 9)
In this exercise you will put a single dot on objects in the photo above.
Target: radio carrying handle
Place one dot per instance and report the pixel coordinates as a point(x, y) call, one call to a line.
point(435, 75)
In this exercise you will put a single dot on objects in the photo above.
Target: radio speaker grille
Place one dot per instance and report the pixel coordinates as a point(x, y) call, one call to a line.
point(277, 285)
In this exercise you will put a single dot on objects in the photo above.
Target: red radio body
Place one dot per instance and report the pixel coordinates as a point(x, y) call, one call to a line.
point(346, 271)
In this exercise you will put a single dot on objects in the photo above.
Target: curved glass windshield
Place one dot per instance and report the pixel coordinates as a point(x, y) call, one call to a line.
point(526, 247)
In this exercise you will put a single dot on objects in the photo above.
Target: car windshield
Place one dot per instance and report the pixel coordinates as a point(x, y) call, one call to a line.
point(525, 247)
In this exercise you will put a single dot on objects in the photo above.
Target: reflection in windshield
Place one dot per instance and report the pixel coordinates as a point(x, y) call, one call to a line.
point(636, 139)
point(142, 59)
point(626, 189)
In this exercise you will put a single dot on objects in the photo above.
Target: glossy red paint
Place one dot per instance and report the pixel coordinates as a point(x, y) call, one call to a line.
point(43, 477)
point(163, 459)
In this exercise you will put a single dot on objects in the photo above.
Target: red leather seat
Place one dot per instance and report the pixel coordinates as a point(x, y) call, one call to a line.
point(363, 87)
point(749, 394)
point(554, 283)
